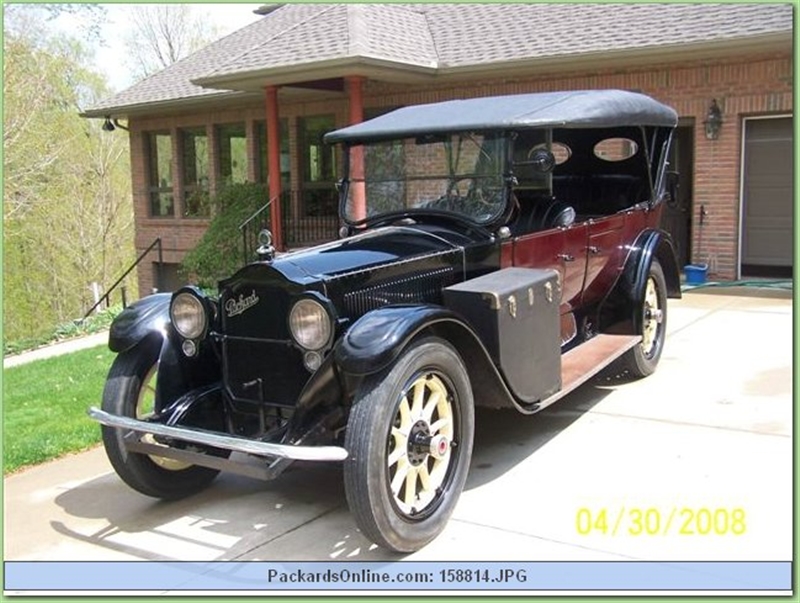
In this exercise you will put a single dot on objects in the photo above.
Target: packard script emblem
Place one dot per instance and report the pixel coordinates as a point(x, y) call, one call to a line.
point(234, 307)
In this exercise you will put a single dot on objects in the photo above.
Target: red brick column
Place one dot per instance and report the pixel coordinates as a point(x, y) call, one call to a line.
point(355, 88)
point(274, 164)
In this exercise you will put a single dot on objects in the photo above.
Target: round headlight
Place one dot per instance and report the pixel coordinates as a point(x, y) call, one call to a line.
point(188, 316)
point(310, 324)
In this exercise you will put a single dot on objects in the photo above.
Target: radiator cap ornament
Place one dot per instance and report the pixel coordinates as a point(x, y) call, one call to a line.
point(265, 251)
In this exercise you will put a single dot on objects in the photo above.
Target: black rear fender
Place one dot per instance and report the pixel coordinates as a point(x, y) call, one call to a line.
point(619, 311)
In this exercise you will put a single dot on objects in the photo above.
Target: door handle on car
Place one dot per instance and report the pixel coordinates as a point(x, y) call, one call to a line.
point(593, 249)
point(567, 257)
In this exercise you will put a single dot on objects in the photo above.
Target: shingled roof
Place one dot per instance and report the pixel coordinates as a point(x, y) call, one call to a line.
point(299, 42)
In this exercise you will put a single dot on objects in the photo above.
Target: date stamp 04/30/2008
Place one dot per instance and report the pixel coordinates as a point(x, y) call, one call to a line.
point(656, 521)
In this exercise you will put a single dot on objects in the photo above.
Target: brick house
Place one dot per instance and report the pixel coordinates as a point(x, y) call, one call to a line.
point(260, 99)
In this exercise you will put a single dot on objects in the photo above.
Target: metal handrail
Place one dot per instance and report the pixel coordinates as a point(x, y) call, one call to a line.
point(243, 228)
point(298, 228)
point(255, 214)
point(107, 294)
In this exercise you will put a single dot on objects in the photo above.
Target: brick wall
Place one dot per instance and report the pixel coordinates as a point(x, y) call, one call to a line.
point(759, 85)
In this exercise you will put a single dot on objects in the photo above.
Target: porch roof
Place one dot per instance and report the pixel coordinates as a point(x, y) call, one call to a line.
point(298, 43)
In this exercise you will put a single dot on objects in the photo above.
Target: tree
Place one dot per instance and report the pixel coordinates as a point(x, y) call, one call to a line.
point(67, 211)
point(21, 17)
point(165, 33)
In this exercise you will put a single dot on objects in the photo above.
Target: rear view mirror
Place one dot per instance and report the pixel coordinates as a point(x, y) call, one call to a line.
point(540, 159)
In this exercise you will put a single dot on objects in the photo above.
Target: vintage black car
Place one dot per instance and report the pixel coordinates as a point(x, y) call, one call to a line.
point(495, 252)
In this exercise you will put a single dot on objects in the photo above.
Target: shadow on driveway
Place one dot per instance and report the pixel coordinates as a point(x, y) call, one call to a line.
point(302, 515)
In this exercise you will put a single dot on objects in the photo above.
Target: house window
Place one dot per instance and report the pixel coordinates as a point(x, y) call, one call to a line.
point(232, 154)
point(318, 162)
point(286, 164)
point(196, 200)
point(159, 154)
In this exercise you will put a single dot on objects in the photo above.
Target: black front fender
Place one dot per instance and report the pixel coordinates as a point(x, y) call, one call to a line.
point(144, 317)
point(376, 339)
point(143, 328)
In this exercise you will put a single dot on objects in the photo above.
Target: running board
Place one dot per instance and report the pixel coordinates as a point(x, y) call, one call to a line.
point(583, 362)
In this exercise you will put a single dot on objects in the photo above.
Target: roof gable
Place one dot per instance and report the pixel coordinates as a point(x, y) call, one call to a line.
point(390, 32)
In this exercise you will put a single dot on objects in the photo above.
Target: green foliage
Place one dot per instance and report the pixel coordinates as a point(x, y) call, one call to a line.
point(67, 211)
point(68, 330)
point(219, 252)
point(44, 406)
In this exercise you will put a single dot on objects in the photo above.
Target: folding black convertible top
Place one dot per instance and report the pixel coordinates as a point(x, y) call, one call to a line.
point(572, 109)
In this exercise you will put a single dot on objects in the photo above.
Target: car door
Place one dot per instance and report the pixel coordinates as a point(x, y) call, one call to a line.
point(605, 254)
point(561, 249)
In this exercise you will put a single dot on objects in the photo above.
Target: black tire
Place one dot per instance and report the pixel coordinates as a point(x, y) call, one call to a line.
point(425, 396)
point(643, 358)
point(130, 380)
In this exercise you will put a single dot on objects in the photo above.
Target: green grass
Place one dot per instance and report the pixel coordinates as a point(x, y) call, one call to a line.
point(44, 406)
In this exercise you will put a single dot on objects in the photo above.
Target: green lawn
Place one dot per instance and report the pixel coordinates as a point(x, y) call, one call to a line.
point(44, 406)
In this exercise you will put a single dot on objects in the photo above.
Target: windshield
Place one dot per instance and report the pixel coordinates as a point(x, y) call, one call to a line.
point(454, 173)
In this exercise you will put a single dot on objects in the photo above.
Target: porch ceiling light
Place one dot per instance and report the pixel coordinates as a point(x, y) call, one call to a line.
point(713, 122)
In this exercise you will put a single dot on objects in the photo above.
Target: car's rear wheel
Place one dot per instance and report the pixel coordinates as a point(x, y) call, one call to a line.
point(130, 392)
point(409, 438)
point(643, 358)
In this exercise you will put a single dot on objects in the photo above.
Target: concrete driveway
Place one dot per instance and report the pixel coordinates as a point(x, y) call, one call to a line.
point(703, 448)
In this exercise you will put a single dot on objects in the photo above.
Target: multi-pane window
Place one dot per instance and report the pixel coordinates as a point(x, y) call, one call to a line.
point(232, 153)
point(196, 199)
point(319, 166)
point(285, 161)
point(159, 154)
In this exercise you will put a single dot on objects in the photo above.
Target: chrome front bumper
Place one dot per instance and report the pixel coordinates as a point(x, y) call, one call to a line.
point(223, 441)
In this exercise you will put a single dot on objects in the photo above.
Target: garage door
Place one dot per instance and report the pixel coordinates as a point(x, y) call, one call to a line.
point(767, 209)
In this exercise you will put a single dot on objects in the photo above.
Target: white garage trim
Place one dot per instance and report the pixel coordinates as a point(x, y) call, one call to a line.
point(743, 144)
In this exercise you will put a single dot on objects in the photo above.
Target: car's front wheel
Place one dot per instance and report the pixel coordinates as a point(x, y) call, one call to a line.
point(130, 392)
point(409, 439)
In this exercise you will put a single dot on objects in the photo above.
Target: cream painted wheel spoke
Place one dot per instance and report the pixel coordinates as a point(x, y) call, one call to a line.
point(424, 479)
point(145, 404)
point(651, 318)
point(405, 414)
point(430, 406)
point(419, 396)
point(411, 486)
point(424, 412)
point(441, 426)
point(400, 475)
point(400, 445)
point(439, 470)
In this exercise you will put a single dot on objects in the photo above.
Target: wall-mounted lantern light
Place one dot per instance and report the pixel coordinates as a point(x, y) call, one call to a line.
point(109, 126)
point(713, 122)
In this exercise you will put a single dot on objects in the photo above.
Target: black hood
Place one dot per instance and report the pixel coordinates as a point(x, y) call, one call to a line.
point(366, 251)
